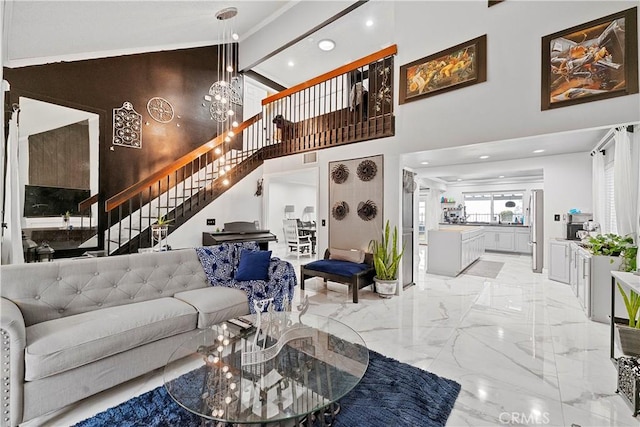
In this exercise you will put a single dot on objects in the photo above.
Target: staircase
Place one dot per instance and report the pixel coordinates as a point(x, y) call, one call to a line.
point(313, 115)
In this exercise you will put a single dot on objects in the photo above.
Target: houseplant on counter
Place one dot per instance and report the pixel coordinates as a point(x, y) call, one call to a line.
point(386, 261)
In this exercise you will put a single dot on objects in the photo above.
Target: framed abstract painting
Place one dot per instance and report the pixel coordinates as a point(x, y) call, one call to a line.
point(453, 68)
point(591, 61)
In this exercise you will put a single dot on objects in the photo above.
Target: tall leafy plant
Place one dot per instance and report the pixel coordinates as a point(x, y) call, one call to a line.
point(632, 302)
point(386, 258)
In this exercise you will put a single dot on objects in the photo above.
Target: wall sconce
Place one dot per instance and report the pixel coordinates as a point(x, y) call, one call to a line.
point(289, 210)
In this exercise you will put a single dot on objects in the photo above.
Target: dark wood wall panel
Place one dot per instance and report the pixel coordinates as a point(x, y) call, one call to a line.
point(182, 77)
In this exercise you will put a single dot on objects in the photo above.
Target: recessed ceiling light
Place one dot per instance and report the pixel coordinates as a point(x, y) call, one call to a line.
point(459, 179)
point(501, 176)
point(484, 157)
point(326, 45)
point(290, 64)
point(369, 23)
point(425, 163)
point(538, 151)
point(235, 36)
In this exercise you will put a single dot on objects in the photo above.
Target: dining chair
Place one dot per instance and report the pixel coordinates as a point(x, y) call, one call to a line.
point(295, 242)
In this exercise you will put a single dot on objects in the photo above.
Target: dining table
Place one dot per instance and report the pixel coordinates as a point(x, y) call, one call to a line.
point(311, 232)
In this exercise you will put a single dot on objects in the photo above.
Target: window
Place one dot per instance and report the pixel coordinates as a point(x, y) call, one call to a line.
point(504, 206)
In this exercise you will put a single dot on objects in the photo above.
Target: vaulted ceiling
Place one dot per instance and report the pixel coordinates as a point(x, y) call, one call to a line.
point(36, 32)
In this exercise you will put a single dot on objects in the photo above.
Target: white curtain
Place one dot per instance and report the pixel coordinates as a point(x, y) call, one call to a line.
point(12, 237)
point(598, 188)
point(625, 184)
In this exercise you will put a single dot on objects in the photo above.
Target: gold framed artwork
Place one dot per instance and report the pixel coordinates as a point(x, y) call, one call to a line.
point(453, 68)
point(591, 61)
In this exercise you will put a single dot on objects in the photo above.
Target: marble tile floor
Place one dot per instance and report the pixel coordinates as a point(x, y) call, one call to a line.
point(520, 345)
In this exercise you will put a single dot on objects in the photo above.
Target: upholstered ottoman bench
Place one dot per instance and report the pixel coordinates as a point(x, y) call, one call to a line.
point(353, 268)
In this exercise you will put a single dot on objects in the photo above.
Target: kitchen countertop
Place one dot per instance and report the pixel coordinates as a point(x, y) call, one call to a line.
point(484, 224)
point(456, 227)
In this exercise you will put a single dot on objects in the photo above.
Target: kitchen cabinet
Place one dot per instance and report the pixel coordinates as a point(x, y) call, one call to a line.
point(559, 260)
point(583, 280)
point(454, 248)
point(601, 268)
point(522, 239)
point(573, 267)
point(503, 238)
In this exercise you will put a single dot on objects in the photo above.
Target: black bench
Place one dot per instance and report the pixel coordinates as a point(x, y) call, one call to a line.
point(357, 276)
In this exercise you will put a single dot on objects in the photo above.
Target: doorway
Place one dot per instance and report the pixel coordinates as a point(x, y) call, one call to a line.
point(290, 195)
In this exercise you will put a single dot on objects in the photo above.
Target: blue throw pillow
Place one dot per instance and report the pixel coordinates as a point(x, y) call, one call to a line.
point(254, 265)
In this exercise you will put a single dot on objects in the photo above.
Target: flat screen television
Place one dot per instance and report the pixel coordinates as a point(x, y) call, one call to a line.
point(42, 201)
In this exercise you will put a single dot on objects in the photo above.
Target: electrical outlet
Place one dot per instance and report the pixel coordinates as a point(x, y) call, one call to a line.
point(556, 217)
point(211, 221)
point(324, 222)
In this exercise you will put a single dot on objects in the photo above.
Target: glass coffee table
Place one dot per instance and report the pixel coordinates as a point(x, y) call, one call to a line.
point(297, 368)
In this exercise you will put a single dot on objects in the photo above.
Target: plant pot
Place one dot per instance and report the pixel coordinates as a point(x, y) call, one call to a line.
point(628, 339)
point(159, 237)
point(386, 288)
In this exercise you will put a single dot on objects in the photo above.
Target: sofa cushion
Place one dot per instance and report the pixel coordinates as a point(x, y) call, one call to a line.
point(61, 344)
point(352, 255)
point(254, 265)
point(334, 266)
point(216, 304)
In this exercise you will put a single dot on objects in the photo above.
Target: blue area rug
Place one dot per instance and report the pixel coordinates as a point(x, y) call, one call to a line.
point(391, 393)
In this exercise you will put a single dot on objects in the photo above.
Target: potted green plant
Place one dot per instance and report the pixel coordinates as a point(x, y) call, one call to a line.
point(65, 219)
point(621, 250)
point(628, 336)
point(386, 260)
point(159, 233)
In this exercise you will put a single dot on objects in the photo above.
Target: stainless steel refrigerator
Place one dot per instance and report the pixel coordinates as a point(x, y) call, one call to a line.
point(535, 211)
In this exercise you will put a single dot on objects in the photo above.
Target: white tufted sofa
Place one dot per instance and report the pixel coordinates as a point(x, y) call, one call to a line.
point(73, 328)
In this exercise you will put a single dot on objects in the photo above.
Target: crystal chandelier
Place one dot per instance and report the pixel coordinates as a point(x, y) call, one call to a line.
point(225, 95)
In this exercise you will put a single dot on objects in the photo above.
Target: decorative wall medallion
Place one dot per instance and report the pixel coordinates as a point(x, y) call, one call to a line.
point(339, 173)
point(367, 210)
point(160, 109)
point(127, 126)
point(340, 210)
point(367, 170)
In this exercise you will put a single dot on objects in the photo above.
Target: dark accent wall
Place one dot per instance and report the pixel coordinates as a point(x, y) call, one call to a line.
point(182, 77)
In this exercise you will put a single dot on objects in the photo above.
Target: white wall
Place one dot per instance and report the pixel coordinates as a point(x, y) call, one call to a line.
point(507, 105)
point(283, 193)
point(237, 204)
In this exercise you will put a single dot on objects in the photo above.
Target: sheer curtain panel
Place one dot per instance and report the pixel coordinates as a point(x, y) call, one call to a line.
point(598, 188)
point(625, 184)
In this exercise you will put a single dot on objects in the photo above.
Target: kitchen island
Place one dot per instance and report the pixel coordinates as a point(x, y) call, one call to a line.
point(453, 248)
point(505, 237)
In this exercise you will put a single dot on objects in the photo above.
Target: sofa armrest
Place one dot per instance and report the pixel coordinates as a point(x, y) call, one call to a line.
point(14, 340)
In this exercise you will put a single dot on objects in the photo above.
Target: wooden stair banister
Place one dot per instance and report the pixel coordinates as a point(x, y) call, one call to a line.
point(190, 183)
point(381, 54)
point(127, 193)
point(88, 202)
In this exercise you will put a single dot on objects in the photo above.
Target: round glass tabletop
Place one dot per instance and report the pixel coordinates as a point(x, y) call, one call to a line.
point(294, 366)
